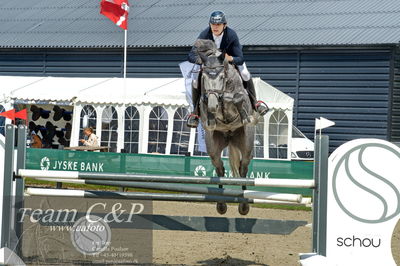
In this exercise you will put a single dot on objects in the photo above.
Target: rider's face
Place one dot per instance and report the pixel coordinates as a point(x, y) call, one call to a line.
point(217, 29)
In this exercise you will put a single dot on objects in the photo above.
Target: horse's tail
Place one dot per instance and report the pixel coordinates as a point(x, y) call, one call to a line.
point(235, 157)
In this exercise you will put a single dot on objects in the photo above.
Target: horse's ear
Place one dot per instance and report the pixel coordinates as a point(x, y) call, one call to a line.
point(226, 63)
point(223, 60)
point(221, 57)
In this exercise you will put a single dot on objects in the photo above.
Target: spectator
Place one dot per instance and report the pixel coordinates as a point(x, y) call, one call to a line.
point(91, 139)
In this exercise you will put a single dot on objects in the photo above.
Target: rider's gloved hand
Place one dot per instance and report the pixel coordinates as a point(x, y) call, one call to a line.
point(229, 58)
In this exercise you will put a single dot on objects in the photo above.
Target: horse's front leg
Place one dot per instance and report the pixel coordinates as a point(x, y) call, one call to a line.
point(216, 142)
point(238, 101)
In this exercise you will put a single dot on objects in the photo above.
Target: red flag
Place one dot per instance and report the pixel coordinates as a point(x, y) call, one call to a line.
point(9, 114)
point(117, 11)
point(22, 114)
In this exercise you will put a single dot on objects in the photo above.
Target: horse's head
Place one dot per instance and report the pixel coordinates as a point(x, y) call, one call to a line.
point(214, 78)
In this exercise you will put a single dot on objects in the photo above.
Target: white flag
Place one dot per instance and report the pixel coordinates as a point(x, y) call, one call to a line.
point(322, 123)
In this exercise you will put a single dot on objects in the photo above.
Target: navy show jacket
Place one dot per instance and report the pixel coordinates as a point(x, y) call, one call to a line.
point(230, 44)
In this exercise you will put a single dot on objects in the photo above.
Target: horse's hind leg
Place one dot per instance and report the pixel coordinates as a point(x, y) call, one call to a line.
point(243, 140)
point(216, 142)
point(235, 160)
point(244, 208)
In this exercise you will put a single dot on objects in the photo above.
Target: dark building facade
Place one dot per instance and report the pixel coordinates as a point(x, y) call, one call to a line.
point(395, 100)
point(337, 59)
point(357, 87)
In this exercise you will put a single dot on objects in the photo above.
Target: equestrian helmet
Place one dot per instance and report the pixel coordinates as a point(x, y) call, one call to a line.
point(218, 17)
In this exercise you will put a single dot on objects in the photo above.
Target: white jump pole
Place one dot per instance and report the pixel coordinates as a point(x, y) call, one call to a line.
point(262, 182)
point(152, 196)
point(247, 194)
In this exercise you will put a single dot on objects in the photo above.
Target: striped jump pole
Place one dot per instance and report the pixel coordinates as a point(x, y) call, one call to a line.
point(247, 194)
point(262, 182)
point(152, 196)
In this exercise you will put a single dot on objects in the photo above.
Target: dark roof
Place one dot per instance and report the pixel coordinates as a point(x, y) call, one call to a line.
point(169, 23)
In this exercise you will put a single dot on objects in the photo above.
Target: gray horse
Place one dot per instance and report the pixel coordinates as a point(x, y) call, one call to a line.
point(226, 115)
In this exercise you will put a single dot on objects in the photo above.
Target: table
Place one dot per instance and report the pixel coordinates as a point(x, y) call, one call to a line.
point(87, 148)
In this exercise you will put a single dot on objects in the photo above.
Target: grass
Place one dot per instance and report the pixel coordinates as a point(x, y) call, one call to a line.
point(39, 183)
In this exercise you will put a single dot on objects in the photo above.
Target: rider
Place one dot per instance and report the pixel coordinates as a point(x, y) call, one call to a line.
point(226, 40)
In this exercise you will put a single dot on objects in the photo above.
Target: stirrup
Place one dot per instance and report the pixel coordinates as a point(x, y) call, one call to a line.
point(261, 107)
point(193, 120)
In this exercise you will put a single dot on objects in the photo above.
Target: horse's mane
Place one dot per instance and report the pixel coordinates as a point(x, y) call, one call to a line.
point(206, 47)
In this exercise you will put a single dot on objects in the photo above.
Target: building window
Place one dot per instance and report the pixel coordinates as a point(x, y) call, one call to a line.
point(132, 120)
point(2, 121)
point(109, 128)
point(196, 151)
point(88, 113)
point(181, 132)
point(158, 130)
point(278, 135)
point(259, 139)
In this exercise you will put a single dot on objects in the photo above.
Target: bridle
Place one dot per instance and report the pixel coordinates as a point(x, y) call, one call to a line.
point(213, 75)
point(219, 94)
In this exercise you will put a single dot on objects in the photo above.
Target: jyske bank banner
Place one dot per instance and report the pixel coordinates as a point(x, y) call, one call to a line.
point(70, 165)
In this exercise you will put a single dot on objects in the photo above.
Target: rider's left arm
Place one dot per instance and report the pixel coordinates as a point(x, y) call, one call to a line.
point(236, 52)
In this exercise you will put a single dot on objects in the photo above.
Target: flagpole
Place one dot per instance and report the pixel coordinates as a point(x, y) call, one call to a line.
point(112, 10)
point(125, 52)
point(125, 60)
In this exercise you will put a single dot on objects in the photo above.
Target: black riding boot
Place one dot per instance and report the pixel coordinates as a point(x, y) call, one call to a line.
point(193, 119)
point(258, 106)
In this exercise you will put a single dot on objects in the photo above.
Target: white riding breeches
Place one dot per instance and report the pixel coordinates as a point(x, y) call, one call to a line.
point(244, 72)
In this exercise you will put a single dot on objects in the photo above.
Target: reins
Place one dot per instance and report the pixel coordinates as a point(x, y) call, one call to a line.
point(218, 94)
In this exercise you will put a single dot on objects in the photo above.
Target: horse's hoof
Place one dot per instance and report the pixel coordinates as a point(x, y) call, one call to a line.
point(222, 207)
point(244, 208)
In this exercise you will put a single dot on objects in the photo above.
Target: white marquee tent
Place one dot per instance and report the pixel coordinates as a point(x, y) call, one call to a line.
point(143, 93)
